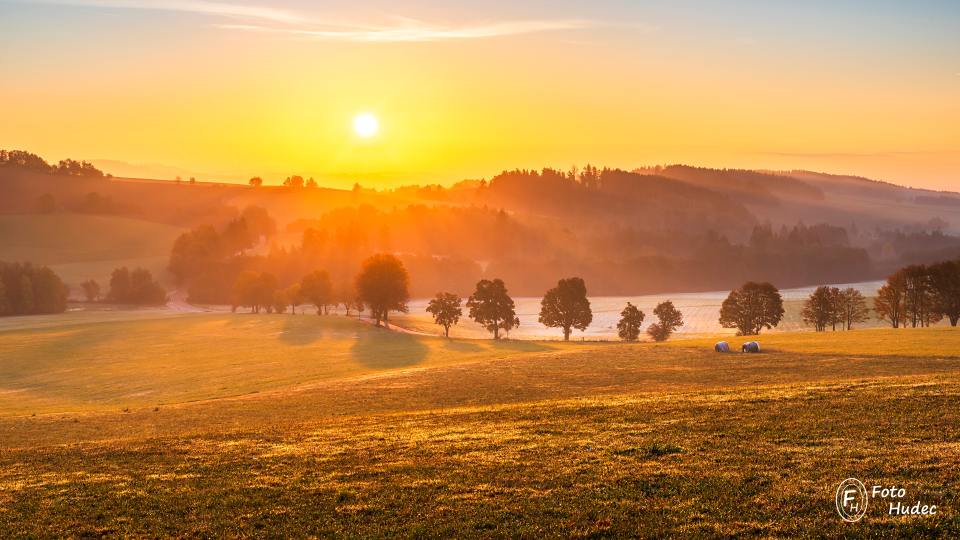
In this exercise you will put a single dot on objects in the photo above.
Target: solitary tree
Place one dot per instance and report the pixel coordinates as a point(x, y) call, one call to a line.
point(820, 309)
point(383, 284)
point(669, 319)
point(446, 310)
point(317, 289)
point(566, 306)
point(945, 282)
point(751, 308)
point(631, 321)
point(890, 303)
point(256, 181)
point(492, 307)
point(91, 290)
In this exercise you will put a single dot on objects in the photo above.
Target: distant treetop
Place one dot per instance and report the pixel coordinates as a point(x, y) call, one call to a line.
point(21, 159)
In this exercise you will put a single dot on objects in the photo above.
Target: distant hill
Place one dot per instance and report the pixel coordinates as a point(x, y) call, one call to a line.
point(643, 231)
point(80, 247)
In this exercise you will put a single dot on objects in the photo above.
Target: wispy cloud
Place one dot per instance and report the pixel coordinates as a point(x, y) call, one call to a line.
point(267, 19)
point(203, 7)
point(415, 31)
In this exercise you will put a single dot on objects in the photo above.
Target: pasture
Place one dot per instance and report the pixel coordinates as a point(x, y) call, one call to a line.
point(80, 247)
point(219, 424)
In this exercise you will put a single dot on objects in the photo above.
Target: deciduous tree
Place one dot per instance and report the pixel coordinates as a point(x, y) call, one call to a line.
point(669, 319)
point(91, 290)
point(631, 321)
point(852, 308)
point(384, 285)
point(491, 306)
point(945, 282)
point(566, 306)
point(751, 308)
point(820, 309)
point(317, 289)
point(446, 310)
point(891, 301)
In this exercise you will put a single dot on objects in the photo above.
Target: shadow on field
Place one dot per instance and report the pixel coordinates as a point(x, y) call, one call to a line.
point(519, 345)
point(462, 346)
point(381, 348)
point(299, 330)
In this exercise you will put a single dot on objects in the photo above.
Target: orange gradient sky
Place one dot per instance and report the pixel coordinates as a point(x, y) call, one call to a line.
point(228, 90)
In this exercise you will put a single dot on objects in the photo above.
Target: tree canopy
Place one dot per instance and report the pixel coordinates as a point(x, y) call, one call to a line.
point(446, 310)
point(566, 306)
point(491, 307)
point(135, 287)
point(631, 321)
point(669, 319)
point(384, 285)
point(751, 308)
point(27, 290)
point(317, 289)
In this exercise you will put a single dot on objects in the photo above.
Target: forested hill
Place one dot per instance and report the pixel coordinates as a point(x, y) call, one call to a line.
point(649, 230)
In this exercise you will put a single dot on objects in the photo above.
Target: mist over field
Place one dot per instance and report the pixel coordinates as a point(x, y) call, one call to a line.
point(425, 270)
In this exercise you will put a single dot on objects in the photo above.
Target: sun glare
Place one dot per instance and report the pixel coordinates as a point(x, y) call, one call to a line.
point(366, 125)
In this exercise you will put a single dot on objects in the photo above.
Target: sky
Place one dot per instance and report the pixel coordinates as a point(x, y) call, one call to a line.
point(226, 90)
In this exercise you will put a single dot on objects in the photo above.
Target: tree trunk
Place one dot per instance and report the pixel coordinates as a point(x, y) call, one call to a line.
point(496, 332)
point(446, 331)
point(566, 334)
point(385, 323)
point(954, 319)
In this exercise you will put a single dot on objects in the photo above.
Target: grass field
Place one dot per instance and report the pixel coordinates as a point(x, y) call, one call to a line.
point(80, 247)
point(217, 424)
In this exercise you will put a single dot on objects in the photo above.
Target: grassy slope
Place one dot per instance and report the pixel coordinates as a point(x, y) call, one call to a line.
point(550, 440)
point(80, 247)
point(82, 366)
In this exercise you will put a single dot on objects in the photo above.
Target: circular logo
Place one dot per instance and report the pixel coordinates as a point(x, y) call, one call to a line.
point(851, 500)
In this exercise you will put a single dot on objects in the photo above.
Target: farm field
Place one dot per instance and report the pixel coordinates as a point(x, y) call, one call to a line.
point(80, 247)
point(291, 426)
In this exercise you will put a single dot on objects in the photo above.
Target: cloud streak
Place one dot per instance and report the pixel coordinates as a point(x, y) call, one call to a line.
point(415, 32)
point(202, 7)
point(265, 19)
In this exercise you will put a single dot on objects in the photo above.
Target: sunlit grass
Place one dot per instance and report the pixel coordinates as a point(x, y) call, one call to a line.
point(315, 434)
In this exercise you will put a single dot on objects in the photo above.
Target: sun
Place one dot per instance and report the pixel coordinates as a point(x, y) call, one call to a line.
point(366, 125)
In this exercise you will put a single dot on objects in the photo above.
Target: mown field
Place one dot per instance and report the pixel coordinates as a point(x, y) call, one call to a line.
point(80, 247)
point(246, 425)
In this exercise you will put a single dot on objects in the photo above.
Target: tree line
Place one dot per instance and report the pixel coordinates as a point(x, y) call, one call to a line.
point(917, 295)
point(830, 306)
point(21, 159)
point(383, 285)
point(26, 289)
point(921, 295)
point(133, 287)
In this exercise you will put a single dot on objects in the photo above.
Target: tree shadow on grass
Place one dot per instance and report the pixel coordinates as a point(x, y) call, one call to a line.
point(299, 330)
point(520, 345)
point(462, 346)
point(383, 349)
